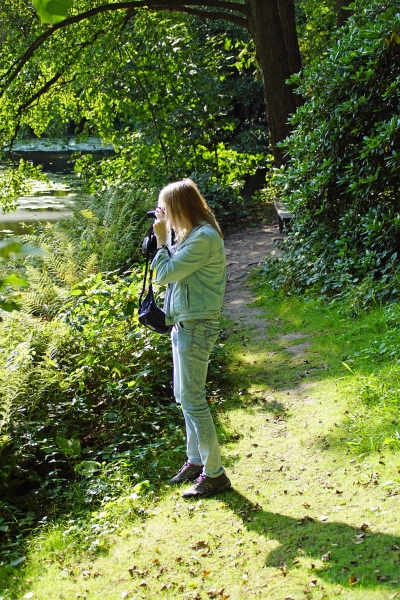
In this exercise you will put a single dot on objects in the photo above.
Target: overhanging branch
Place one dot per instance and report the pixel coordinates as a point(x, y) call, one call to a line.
point(232, 14)
point(208, 14)
point(40, 92)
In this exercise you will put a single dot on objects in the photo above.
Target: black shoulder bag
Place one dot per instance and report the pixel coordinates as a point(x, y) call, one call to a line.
point(150, 314)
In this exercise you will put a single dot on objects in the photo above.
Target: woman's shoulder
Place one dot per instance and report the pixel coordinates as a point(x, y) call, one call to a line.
point(206, 232)
point(206, 229)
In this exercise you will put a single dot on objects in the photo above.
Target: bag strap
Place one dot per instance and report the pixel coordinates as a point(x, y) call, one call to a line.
point(148, 261)
point(147, 265)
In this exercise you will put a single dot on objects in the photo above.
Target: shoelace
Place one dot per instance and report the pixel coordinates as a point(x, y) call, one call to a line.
point(201, 478)
point(185, 466)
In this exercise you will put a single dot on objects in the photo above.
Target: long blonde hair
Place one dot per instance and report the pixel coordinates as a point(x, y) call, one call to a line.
point(186, 208)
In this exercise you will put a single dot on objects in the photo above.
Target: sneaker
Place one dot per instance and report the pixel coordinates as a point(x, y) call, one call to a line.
point(189, 472)
point(207, 486)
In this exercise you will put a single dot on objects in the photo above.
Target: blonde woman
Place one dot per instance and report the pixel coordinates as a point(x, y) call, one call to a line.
point(194, 270)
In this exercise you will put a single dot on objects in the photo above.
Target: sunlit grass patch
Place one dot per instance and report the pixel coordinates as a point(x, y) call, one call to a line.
point(374, 421)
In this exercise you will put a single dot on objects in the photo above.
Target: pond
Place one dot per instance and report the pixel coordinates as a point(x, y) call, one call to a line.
point(54, 200)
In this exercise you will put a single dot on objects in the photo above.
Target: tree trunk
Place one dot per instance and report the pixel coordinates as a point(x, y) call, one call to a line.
point(288, 23)
point(266, 30)
point(342, 13)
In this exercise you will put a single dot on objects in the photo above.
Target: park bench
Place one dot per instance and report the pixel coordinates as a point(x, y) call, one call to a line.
point(284, 215)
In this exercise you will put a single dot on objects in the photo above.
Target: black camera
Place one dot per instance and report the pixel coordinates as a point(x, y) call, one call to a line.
point(150, 241)
point(149, 244)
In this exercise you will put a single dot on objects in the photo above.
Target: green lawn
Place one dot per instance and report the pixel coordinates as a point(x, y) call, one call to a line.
point(314, 509)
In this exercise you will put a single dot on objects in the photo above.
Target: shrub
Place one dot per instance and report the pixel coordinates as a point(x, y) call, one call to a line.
point(88, 388)
point(342, 179)
point(112, 223)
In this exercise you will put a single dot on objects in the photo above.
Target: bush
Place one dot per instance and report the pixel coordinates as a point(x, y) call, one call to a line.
point(88, 388)
point(342, 179)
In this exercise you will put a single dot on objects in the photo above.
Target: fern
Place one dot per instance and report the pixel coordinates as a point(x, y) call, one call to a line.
point(14, 379)
point(27, 349)
point(52, 275)
point(112, 224)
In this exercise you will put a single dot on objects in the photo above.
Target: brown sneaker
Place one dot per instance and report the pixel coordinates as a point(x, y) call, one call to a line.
point(207, 486)
point(188, 472)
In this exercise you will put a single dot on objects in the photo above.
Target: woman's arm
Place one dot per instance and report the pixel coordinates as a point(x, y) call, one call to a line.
point(193, 255)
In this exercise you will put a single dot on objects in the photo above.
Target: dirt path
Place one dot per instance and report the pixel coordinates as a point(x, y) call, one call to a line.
point(245, 249)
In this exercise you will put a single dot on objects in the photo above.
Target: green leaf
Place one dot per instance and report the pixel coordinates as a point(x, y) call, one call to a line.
point(8, 305)
point(130, 308)
point(87, 468)
point(70, 448)
point(52, 11)
point(13, 280)
point(141, 486)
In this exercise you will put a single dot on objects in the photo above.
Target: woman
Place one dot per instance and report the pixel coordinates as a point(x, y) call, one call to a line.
point(195, 274)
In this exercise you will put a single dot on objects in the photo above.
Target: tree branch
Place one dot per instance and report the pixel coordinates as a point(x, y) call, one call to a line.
point(40, 92)
point(172, 5)
point(207, 14)
point(50, 83)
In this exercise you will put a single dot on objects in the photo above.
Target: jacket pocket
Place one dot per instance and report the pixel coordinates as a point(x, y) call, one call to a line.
point(186, 302)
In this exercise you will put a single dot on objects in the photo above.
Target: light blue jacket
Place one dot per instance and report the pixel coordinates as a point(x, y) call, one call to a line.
point(196, 273)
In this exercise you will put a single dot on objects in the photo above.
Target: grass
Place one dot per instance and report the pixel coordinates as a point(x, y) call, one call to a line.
point(314, 510)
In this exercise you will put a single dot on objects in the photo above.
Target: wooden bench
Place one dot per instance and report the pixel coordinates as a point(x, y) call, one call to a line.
point(284, 216)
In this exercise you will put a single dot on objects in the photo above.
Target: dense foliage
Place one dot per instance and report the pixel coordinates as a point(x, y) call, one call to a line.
point(173, 95)
point(317, 25)
point(342, 181)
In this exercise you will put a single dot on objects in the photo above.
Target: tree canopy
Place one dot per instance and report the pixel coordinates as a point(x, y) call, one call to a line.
point(45, 59)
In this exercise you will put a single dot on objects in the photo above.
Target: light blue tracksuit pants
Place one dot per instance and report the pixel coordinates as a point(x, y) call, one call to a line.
point(192, 342)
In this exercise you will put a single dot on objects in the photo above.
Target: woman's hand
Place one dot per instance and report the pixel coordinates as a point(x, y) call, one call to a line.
point(160, 227)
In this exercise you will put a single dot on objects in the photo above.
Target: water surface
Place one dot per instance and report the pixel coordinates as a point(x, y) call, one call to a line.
point(48, 202)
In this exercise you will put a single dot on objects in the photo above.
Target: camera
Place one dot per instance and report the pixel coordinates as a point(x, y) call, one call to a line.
point(149, 245)
point(152, 214)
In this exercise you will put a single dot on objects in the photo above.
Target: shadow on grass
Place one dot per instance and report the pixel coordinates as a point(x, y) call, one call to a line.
point(348, 559)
